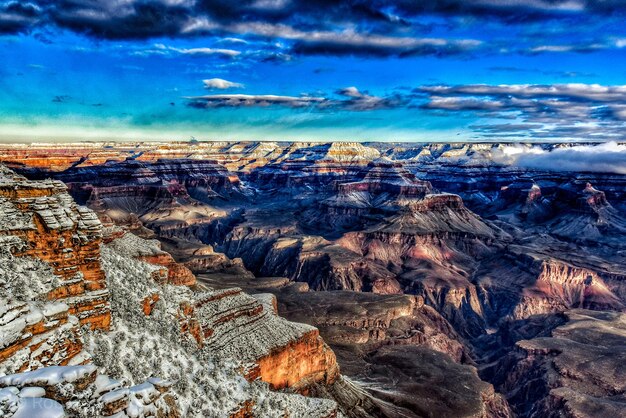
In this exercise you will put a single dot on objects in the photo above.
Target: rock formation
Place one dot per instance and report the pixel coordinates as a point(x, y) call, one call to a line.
point(411, 260)
point(577, 371)
point(44, 223)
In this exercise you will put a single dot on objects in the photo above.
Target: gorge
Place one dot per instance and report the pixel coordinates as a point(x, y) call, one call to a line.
point(338, 279)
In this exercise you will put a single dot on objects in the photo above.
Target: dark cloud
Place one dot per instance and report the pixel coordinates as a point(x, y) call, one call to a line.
point(120, 20)
point(251, 100)
point(16, 16)
point(380, 46)
point(511, 10)
point(344, 27)
point(60, 99)
point(570, 92)
point(349, 98)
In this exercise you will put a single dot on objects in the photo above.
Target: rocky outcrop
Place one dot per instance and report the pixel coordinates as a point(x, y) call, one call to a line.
point(290, 356)
point(560, 287)
point(213, 338)
point(575, 372)
point(49, 226)
point(34, 336)
point(386, 176)
point(150, 251)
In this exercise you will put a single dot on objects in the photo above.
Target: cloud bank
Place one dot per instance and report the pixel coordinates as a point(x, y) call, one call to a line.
point(377, 28)
point(349, 98)
point(604, 158)
point(574, 111)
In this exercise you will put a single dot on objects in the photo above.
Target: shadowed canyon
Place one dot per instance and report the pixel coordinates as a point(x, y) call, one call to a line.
point(341, 279)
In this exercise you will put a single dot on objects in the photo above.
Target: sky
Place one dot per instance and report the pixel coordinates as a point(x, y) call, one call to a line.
point(360, 70)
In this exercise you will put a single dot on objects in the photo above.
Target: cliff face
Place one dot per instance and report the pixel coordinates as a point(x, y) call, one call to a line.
point(150, 251)
point(560, 286)
point(52, 280)
point(229, 323)
point(553, 376)
point(82, 391)
point(52, 228)
point(240, 333)
point(38, 336)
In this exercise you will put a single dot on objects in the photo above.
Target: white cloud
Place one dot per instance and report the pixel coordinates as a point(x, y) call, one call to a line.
point(219, 83)
point(162, 49)
point(208, 51)
point(609, 157)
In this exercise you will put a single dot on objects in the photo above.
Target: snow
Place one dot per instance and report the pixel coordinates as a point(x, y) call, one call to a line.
point(40, 408)
point(25, 278)
point(105, 384)
point(52, 309)
point(48, 376)
point(12, 218)
point(32, 392)
point(133, 246)
point(114, 396)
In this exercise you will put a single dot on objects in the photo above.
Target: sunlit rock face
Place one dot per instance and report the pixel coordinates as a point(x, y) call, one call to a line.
point(560, 286)
point(232, 324)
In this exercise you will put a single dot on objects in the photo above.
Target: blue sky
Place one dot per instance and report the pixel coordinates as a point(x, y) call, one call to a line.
point(317, 70)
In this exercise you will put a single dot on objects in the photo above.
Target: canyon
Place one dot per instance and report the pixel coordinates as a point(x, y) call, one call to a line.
point(312, 279)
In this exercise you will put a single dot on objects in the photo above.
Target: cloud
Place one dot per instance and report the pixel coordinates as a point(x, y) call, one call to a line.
point(352, 43)
point(578, 47)
point(250, 100)
point(573, 111)
point(210, 51)
point(367, 28)
point(606, 158)
point(571, 91)
point(61, 99)
point(218, 83)
point(362, 101)
point(343, 42)
point(18, 16)
point(349, 99)
point(231, 40)
point(165, 50)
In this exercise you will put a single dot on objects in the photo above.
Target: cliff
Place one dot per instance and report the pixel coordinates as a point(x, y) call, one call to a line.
point(52, 228)
point(61, 269)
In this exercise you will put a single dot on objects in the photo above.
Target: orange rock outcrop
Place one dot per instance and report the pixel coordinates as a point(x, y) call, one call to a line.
point(42, 337)
point(299, 364)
